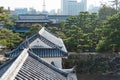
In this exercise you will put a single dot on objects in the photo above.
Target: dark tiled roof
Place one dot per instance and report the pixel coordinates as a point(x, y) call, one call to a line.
point(5, 66)
point(56, 43)
point(52, 38)
point(20, 31)
point(33, 68)
point(48, 52)
point(32, 16)
point(34, 21)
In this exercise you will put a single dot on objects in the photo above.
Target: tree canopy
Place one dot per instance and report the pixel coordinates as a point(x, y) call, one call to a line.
point(106, 11)
point(111, 34)
point(88, 32)
point(4, 17)
point(9, 39)
point(33, 29)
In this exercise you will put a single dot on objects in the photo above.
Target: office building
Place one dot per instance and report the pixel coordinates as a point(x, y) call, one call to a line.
point(72, 7)
point(21, 11)
point(32, 11)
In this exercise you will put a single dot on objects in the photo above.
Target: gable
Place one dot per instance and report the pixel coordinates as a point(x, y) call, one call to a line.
point(52, 38)
point(44, 40)
point(37, 43)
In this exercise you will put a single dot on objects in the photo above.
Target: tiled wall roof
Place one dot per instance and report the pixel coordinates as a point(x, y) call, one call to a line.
point(58, 48)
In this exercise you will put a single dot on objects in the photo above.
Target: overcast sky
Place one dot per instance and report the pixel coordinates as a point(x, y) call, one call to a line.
point(37, 4)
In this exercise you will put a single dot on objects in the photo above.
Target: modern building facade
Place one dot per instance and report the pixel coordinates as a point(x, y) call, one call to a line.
point(38, 58)
point(93, 9)
point(21, 11)
point(72, 7)
point(83, 5)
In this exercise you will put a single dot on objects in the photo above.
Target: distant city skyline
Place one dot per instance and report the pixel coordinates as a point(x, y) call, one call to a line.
point(37, 4)
point(72, 7)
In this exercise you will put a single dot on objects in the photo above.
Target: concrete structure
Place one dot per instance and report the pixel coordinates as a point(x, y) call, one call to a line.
point(52, 12)
point(32, 11)
point(72, 7)
point(21, 11)
point(38, 58)
point(83, 5)
point(93, 9)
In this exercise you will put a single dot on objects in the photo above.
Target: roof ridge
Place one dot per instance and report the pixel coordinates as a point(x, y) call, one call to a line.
point(56, 46)
point(49, 41)
point(48, 65)
point(6, 63)
point(18, 47)
point(50, 31)
point(15, 66)
point(25, 44)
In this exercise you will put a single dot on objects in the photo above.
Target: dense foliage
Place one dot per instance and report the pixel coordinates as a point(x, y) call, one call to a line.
point(9, 39)
point(33, 29)
point(80, 33)
point(91, 31)
point(4, 17)
point(110, 35)
point(93, 64)
point(106, 11)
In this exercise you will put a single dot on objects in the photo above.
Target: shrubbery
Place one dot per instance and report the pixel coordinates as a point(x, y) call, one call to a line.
point(92, 64)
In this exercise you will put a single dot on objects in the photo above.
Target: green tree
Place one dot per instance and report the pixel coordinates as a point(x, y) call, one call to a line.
point(82, 31)
point(111, 35)
point(116, 3)
point(33, 29)
point(106, 11)
point(9, 39)
point(88, 23)
point(73, 38)
point(4, 17)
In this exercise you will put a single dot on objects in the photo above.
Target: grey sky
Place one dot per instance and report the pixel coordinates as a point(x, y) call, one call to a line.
point(37, 4)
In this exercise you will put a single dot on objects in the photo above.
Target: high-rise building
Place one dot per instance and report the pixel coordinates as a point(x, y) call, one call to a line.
point(32, 11)
point(52, 12)
point(93, 9)
point(21, 11)
point(72, 7)
point(64, 7)
point(83, 5)
point(59, 12)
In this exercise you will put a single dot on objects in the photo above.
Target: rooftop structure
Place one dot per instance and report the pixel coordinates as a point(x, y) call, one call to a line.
point(72, 7)
point(40, 18)
point(21, 11)
point(43, 40)
point(45, 45)
point(28, 66)
point(26, 20)
point(39, 57)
